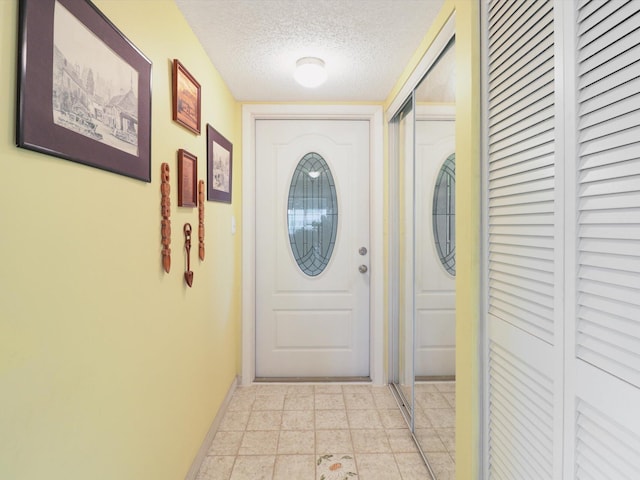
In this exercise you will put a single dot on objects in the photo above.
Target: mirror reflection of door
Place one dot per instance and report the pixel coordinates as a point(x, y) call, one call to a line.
point(435, 318)
point(435, 246)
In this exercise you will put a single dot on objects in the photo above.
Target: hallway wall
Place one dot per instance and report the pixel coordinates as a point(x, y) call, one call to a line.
point(110, 368)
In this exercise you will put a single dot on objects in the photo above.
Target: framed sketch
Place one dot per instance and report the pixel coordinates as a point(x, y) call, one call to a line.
point(219, 166)
point(186, 98)
point(84, 90)
point(187, 179)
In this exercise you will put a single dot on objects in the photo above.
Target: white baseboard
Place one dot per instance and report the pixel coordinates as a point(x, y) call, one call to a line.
point(208, 439)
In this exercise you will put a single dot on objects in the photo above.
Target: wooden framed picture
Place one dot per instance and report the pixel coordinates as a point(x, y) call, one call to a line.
point(219, 166)
point(84, 90)
point(187, 179)
point(186, 98)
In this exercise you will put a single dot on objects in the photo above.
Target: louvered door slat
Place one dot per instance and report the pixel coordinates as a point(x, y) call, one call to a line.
point(610, 171)
point(614, 200)
point(617, 154)
point(624, 108)
point(618, 185)
point(540, 87)
point(612, 292)
point(521, 152)
point(533, 164)
point(618, 216)
point(610, 261)
point(606, 320)
point(504, 159)
point(607, 425)
point(600, 95)
point(530, 172)
point(603, 122)
point(516, 134)
point(507, 24)
point(499, 9)
point(539, 185)
point(535, 58)
point(524, 209)
point(535, 79)
point(518, 111)
point(603, 66)
point(514, 440)
point(513, 125)
point(609, 24)
point(528, 295)
point(504, 278)
point(617, 264)
point(522, 240)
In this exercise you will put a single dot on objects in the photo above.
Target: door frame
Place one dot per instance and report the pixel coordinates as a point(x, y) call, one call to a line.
point(374, 115)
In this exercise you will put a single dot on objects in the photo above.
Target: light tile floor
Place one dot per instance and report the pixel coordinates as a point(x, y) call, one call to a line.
point(329, 432)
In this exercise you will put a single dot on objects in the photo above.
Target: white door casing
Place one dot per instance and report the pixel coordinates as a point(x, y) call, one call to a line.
point(312, 326)
point(435, 287)
point(373, 114)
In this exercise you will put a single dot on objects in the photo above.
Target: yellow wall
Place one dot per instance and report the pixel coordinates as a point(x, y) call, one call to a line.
point(110, 368)
point(468, 247)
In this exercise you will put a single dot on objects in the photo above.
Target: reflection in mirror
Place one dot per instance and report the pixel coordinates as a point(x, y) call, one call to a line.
point(402, 332)
point(434, 298)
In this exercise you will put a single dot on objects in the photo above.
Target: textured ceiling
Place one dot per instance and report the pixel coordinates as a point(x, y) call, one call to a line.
point(254, 44)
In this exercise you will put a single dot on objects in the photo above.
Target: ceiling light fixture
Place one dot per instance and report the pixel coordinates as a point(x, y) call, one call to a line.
point(310, 72)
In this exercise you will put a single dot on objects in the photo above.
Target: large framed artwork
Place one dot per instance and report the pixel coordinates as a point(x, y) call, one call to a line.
point(219, 166)
point(84, 89)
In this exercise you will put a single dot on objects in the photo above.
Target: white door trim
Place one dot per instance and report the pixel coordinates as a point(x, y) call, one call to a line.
point(371, 113)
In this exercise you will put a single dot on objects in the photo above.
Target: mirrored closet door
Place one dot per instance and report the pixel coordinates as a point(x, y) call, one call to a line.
point(422, 260)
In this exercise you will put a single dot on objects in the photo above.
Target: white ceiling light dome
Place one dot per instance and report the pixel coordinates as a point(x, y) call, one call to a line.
point(310, 72)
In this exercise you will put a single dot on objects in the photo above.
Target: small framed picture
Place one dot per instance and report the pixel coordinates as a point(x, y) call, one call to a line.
point(186, 98)
point(187, 179)
point(219, 166)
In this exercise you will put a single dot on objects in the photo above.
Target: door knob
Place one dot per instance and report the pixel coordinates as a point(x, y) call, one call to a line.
point(363, 269)
point(362, 251)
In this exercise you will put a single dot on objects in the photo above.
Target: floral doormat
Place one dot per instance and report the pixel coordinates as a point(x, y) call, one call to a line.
point(336, 467)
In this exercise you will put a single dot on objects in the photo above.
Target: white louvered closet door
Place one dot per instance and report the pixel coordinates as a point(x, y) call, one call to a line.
point(607, 291)
point(563, 273)
point(522, 224)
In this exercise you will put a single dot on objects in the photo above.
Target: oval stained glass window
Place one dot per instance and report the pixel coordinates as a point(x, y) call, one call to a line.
point(312, 214)
point(444, 214)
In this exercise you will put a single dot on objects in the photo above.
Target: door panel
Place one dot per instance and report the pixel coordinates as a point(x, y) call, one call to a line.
point(312, 326)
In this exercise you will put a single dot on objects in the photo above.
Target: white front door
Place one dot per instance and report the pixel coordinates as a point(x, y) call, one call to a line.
point(435, 286)
point(312, 299)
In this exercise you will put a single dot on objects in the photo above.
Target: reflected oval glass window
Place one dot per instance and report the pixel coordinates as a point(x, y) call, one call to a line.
point(312, 214)
point(444, 214)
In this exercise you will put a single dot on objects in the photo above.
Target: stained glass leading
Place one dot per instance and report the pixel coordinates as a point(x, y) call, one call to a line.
point(312, 214)
point(444, 214)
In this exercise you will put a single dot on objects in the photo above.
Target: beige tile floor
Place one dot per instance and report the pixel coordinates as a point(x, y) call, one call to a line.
point(324, 432)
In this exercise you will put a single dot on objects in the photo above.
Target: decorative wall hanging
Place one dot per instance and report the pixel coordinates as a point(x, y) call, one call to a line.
point(219, 166)
point(201, 219)
point(186, 98)
point(165, 190)
point(84, 90)
point(188, 274)
point(187, 179)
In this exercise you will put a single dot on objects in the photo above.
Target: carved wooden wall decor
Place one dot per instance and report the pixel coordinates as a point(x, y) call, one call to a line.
point(201, 219)
point(165, 189)
point(188, 274)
